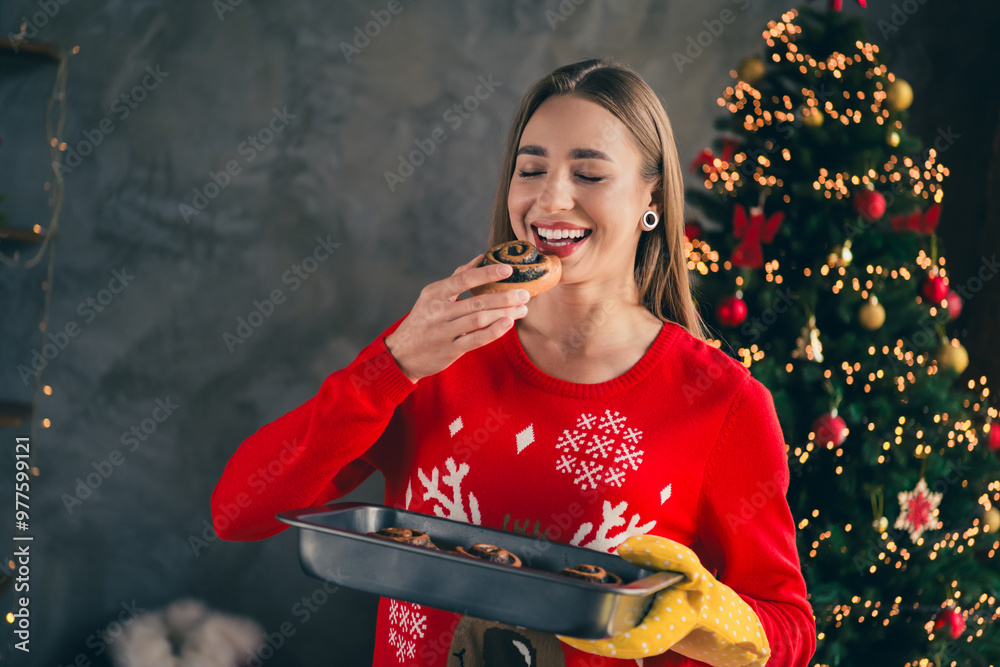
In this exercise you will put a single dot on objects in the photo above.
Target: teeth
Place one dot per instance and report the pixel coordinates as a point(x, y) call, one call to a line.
point(557, 234)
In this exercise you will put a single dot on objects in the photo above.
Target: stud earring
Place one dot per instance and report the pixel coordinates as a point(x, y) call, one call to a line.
point(650, 220)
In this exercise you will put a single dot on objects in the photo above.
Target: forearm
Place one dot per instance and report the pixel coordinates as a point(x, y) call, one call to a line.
point(289, 463)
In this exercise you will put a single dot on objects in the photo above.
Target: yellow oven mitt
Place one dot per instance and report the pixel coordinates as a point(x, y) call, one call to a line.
point(699, 617)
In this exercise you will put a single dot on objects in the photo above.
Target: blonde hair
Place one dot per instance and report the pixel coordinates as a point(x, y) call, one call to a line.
point(661, 273)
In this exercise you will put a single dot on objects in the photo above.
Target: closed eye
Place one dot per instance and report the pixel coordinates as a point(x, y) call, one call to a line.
point(589, 179)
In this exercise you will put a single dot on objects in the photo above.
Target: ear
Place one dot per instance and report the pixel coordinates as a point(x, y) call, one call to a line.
point(655, 203)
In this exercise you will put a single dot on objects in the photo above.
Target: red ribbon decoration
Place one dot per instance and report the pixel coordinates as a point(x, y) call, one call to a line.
point(921, 222)
point(729, 147)
point(754, 231)
point(837, 5)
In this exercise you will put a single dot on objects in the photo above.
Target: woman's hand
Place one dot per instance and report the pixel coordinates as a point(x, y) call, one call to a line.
point(440, 328)
point(700, 617)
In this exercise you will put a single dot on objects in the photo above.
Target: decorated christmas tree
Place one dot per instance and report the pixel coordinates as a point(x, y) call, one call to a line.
point(817, 264)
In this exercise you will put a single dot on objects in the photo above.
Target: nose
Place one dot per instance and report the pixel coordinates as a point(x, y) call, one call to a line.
point(556, 193)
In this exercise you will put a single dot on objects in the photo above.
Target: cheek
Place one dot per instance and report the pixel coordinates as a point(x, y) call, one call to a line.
point(517, 199)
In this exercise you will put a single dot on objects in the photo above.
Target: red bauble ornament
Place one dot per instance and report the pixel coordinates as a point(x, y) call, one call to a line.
point(993, 438)
point(731, 311)
point(869, 204)
point(934, 288)
point(952, 620)
point(954, 304)
point(692, 230)
point(830, 429)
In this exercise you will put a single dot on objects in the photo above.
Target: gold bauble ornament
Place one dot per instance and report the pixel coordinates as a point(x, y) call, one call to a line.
point(991, 520)
point(881, 525)
point(892, 138)
point(751, 69)
point(952, 357)
point(899, 95)
point(871, 315)
point(811, 116)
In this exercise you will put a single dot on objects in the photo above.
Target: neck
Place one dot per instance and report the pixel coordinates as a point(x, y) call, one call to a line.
point(580, 318)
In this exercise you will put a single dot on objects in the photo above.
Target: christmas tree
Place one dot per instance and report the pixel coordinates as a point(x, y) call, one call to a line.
point(816, 261)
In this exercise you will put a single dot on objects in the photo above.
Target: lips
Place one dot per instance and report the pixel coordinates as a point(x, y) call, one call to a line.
point(559, 238)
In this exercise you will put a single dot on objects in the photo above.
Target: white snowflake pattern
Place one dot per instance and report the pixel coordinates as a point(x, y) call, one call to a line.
point(605, 449)
point(632, 435)
point(614, 477)
point(600, 446)
point(394, 612)
point(629, 456)
point(571, 441)
point(406, 625)
point(588, 474)
point(406, 649)
point(612, 421)
point(416, 623)
point(566, 463)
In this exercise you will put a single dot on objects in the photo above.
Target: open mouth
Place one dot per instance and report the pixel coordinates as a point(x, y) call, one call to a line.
point(561, 242)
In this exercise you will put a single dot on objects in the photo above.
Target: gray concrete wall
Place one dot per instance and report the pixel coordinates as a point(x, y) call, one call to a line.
point(339, 125)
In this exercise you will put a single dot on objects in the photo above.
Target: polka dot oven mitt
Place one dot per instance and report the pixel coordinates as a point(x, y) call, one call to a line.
point(699, 617)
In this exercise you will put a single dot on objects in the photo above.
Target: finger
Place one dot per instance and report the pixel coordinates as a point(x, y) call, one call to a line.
point(484, 336)
point(483, 319)
point(435, 312)
point(469, 265)
point(469, 278)
point(493, 301)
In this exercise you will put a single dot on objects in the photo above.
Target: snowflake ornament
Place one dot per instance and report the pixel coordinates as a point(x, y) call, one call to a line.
point(919, 510)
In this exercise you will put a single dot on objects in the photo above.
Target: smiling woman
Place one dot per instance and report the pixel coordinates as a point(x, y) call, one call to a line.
point(602, 381)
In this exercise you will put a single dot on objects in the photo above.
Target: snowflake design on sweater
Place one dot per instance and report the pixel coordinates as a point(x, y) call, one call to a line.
point(452, 507)
point(406, 625)
point(599, 449)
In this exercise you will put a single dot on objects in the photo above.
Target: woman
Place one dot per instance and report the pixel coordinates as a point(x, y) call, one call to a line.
point(594, 415)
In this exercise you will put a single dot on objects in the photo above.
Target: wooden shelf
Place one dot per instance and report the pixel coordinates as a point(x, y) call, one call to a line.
point(20, 236)
point(13, 415)
point(27, 47)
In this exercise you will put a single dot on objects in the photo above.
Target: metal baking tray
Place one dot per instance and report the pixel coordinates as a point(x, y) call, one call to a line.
point(334, 545)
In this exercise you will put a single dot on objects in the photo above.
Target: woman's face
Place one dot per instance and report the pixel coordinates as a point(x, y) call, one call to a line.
point(577, 192)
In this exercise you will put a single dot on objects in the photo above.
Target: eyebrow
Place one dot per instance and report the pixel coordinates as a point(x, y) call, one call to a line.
point(575, 154)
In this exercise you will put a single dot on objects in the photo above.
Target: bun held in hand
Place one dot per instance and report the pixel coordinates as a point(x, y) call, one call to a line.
point(533, 271)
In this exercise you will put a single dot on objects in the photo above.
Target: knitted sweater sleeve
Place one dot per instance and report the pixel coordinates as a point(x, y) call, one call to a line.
point(747, 527)
point(312, 454)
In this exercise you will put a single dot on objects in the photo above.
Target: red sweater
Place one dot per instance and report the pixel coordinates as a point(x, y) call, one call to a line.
point(686, 445)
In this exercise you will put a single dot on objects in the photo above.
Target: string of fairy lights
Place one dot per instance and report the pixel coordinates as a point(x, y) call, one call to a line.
point(55, 119)
point(886, 367)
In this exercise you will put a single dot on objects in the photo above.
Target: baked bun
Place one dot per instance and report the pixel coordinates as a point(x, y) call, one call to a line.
point(406, 535)
point(533, 271)
point(491, 553)
point(593, 574)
